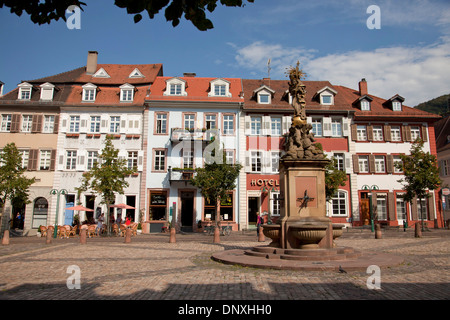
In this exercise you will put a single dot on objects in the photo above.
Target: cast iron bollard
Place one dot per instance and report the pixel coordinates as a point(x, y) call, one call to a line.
point(5, 239)
point(48, 239)
point(377, 231)
point(128, 235)
point(83, 235)
point(172, 238)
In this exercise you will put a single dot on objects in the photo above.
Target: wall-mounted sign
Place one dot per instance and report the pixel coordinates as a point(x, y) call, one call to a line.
point(264, 182)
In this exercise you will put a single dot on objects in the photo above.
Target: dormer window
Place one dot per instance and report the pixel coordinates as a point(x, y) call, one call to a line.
point(89, 92)
point(175, 87)
point(365, 105)
point(47, 90)
point(264, 95)
point(25, 91)
point(136, 74)
point(126, 93)
point(219, 88)
point(396, 106)
point(101, 73)
point(326, 95)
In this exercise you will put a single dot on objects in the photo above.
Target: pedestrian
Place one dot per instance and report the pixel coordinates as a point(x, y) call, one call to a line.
point(100, 224)
point(128, 222)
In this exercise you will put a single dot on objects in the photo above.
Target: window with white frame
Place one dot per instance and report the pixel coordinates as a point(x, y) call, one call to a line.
point(340, 161)
point(326, 99)
point(255, 125)
point(114, 125)
point(159, 160)
point(401, 209)
point(365, 105)
point(161, 123)
point(381, 207)
point(220, 90)
point(49, 123)
point(27, 121)
point(25, 154)
point(336, 127)
point(45, 159)
point(275, 124)
point(189, 121)
point(396, 133)
point(24, 91)
point(397, 160)
point(317, 127)
point(229, 156)
point(380, 166)
point(95, 124)
point(92, 159)
point(188, 159)
point(415, 132)
point(339, 204)
point(126, 95)
point(361, 133)
point(255, 161)
point(422, 210)
point(175, 89)
point(396, 106)
point(210, 121)
point(377, 133)
point(275, 204)
point(89, 91)
point(275, 161)
point(264, 98)
point(74, 124)
point(132, 160)
point(228, 124)
point(363, 163)
point(71, 160)
point(6, 122)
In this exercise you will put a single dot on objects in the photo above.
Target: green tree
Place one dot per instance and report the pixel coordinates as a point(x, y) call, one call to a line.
point(13, 183)
point(215, 180)
point(193, 10)
point(108, 176)
point(421, 173)
point(334, 178)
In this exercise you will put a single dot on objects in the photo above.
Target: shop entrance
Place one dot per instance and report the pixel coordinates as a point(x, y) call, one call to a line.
point(253, 208)
point(187, 210)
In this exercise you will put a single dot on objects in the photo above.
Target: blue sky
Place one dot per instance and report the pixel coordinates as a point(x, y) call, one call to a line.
point(409, 55)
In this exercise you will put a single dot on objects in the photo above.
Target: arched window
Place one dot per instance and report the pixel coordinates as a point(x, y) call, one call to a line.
point(40, 212)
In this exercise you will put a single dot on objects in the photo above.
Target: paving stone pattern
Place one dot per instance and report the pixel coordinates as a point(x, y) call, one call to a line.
point(151, 268)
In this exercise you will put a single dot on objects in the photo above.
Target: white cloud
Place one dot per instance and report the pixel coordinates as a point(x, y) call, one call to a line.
point(416, 73)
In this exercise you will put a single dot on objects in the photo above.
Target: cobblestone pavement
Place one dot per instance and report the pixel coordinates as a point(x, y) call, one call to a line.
point(151, 268)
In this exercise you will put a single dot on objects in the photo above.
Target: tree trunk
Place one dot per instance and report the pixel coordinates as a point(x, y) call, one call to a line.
point(217, 228)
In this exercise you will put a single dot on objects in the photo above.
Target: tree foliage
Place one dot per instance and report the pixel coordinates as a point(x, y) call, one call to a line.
point(13, 183)
point(107, 176)
point(334, 178)
point(42, 12)
point(420, 170)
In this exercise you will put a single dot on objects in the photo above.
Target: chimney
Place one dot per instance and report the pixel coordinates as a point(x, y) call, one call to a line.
point(189, 74)
point(91, 66)
point(362, 87)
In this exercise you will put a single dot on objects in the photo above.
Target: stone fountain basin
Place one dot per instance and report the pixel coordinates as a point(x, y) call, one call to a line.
point(310, 234)
point(272, 231)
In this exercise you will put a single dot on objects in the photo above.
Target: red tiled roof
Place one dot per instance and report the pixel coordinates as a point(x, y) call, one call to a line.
point(119, 74)
point(197, 89)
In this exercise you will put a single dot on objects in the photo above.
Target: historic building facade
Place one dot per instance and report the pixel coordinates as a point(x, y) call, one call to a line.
point(162, 126)
point(185, 116)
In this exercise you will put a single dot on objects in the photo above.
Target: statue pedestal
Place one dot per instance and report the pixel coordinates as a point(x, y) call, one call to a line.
point(303, 218)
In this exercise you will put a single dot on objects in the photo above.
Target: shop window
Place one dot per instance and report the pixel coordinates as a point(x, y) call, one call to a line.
point(158, 205)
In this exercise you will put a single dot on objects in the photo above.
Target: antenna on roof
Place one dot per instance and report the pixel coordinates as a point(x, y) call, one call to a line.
point(268, 70)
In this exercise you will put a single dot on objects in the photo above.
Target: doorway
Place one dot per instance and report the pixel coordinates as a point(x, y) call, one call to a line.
point(90, 203)
point(365, 208)
point(187, 210)
point(253, 208)
point(68, 214)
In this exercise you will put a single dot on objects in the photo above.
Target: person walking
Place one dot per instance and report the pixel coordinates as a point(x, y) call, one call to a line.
point(100, 224)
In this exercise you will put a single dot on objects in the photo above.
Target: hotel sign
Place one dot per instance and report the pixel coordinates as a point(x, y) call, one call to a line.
point(264, 182)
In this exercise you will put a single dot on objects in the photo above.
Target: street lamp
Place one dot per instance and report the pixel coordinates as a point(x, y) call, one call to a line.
point(57, 193)
point(370, 189)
